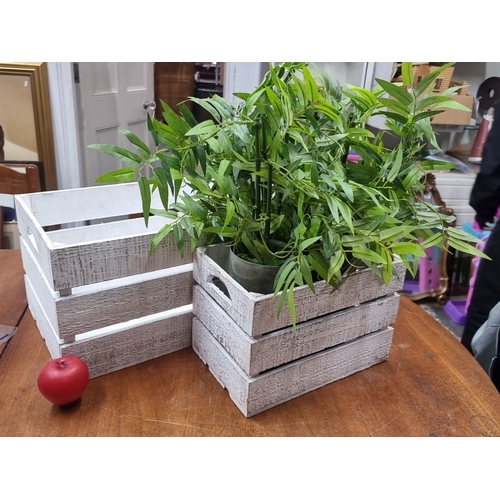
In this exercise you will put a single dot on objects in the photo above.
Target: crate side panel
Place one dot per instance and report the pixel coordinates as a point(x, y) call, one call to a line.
point(257, 314)
point(80, 265)
point(223, 368)
point(82, 313)
point(255, 355)
point(113, 352)
point(45, 295)
point(302, 376)
point(257, 394)
point(44, 327)
point(34, 235)
point(81, 204)
point(358, 288)
point(236, 342)
point(210, 274)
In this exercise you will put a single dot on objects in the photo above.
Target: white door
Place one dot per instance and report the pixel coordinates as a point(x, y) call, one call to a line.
point(111, 96)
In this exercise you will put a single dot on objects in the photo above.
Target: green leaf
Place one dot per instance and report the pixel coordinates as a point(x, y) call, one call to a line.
point(396, 165)
point(402, 248)
point(346, 214)
point(146, 198)
point(395, 105)
point(392, 233)
point(430, 78)
point(336, 264)
point(195, 209)
point(188, 115)
point(206, 127)
point(126, 174)
point(152, 130)
point(163, 185)
point(229, 213)
point(118, 152)
point(462, 235)
point(466, 248)
point(285, 270)
point(307, 243)
point(305, 269)
point(311, 87)
point(433, 240)
point(178, 125)
point(137, 141)
point(365, 254)
point(407, 73)
point(395, 91)
point(179, 238)
point(160, 236)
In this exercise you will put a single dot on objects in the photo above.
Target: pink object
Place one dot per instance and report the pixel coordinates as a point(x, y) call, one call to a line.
point(428, 268)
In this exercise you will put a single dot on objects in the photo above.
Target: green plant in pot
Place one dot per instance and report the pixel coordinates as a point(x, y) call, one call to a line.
point(272, 177)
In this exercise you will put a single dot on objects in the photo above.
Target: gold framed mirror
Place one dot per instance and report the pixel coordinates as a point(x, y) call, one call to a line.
point(26, 118)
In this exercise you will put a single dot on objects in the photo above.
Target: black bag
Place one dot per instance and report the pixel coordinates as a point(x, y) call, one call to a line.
point(486, 346)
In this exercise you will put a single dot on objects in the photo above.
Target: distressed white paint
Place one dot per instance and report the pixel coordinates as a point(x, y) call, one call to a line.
point(125, 345)
point(257, 314)
point(253, 395)
point(255, 355)
point(103, 304)
point(90, 254)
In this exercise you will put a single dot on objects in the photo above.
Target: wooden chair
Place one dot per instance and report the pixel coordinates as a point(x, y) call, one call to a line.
point(13, 180)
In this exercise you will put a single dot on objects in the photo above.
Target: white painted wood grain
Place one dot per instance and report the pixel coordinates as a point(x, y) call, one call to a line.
point(257, 394)
point(81, 204)
point(95, 306)
point(91, 254)
point(105, 353)
point(255, 355)
point(257, 314)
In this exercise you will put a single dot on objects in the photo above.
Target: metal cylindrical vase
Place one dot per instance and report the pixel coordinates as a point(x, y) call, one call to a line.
point(257, 278)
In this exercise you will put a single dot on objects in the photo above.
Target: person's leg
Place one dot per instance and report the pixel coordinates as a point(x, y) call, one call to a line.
point(486, 291)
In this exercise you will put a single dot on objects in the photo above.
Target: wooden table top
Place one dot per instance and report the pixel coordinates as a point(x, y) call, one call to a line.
point(429, 386)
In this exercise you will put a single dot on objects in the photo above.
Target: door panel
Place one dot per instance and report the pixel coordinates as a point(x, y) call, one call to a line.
point(111, 97)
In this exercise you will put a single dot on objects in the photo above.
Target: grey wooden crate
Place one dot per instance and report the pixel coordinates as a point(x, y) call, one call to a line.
point(261, 358)
point(256, 314)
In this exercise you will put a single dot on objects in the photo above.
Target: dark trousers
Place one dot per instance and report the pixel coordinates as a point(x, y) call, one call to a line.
point(486, 293)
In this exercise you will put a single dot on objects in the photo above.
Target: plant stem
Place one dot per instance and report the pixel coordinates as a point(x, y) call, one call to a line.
point(257, 169)
point(267, 229)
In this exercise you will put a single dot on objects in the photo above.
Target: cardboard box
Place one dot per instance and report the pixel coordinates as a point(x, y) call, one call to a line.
point(441, 83)
point(454, 116)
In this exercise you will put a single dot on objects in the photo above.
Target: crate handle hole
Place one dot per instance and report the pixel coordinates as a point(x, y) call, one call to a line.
point(217, 283)
point(31, 237)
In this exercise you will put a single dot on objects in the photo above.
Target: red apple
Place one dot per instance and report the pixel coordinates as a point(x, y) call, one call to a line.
point(63, 380)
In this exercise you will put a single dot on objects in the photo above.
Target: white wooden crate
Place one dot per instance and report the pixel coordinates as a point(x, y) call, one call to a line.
point(261, 359)
point(95, 290)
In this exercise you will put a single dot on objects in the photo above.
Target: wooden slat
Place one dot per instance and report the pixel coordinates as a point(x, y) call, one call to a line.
point(254, 355)
point(81, 204)
point(253, 395)
point(257, 314)
point(116, 301)
point(127, 346)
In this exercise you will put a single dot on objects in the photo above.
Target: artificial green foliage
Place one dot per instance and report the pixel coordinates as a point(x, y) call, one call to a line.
point(270, 175)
